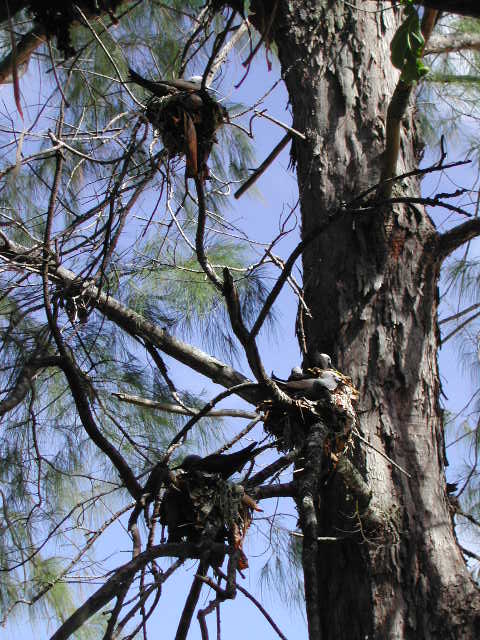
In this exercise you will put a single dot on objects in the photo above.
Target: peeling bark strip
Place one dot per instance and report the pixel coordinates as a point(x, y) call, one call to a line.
point(371, 286)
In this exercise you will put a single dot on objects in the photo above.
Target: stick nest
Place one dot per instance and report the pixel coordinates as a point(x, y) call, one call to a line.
point(187, 123)
point(200, 505)
point(336, 409)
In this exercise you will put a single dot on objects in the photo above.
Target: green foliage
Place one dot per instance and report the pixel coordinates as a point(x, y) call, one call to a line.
point(176, 292)
point(407, 45)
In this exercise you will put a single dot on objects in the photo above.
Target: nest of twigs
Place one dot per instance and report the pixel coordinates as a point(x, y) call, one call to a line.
point(202, 505)
point(336, 409)
point(187, 123)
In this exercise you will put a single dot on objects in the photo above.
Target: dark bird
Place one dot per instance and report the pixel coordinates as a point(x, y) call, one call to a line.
point(310, 388)
point(162, 88)
point(224, 464)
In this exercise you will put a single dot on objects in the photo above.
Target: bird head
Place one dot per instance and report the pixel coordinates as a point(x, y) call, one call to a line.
point(189, 462)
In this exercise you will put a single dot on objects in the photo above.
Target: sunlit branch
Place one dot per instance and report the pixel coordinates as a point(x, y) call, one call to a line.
point(133, 323)
point(458, 315)
point(453, 43)
point(178, 409)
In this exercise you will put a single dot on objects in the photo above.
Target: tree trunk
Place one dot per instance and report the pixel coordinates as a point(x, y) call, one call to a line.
point(371, 284)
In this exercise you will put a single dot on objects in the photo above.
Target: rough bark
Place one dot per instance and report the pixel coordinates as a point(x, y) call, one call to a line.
point(372, 289)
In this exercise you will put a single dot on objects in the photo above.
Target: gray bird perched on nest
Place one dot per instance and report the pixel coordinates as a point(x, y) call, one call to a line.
point(312, 383)
point(162, 88)
point(186, 117)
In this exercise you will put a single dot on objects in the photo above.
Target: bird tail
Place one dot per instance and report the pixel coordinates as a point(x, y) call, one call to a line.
point(154, 87)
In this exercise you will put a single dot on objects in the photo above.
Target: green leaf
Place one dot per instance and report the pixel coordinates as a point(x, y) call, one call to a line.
point(406, 48)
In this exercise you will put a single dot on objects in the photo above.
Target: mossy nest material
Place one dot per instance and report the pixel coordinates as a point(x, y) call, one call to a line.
point(172, 117)
point(336, 409)
point(203, 505)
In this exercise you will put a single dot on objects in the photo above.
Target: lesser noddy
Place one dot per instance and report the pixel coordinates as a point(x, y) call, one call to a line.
point(311, 388)
point(224, 464)
point(162, 88)
point(296, 374)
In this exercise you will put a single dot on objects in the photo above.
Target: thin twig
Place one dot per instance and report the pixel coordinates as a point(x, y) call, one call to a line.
point(384, 455)
point(204, 411)
point(258, 604)
point(264, 166)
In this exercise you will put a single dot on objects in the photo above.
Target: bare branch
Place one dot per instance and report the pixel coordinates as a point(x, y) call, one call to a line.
point(264, 166)
point(176, 408)
point(191, 602)
point(450, 240)
point(285, 490)
point(109, 590)
point(257, 604)
point(205, 411)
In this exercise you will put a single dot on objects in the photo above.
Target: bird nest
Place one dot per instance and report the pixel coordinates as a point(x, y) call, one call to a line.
point(203, 505)
point(187, 123)
point(336, 408)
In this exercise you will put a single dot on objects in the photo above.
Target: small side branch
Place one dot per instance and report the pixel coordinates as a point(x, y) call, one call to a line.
point(259, 606)
point(200, 236)
point(228, 593)
point(285, 490)
point(264, 166)
point(206, 410)
point(247, 340)
point(266, 473)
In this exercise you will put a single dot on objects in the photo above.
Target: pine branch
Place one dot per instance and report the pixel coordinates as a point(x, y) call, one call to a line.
point(130, 321)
